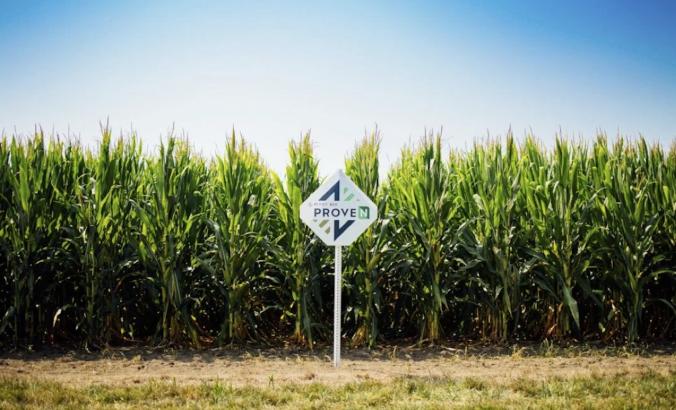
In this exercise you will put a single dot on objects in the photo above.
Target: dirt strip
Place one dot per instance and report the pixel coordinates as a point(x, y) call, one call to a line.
point(272, 367)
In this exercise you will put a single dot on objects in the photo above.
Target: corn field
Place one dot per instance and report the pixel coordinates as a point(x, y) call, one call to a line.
point(505, 241)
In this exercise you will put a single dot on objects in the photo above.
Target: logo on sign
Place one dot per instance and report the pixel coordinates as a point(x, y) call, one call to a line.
point(338, 211)
point(334, 193)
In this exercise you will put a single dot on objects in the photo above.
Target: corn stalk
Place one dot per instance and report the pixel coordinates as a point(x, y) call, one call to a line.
point(630, 226)
point(563, 238)
point(297, 253)
point(489, 189)
point(371, 256)
point(170, 230)
point(240, 205)
point(422, 204)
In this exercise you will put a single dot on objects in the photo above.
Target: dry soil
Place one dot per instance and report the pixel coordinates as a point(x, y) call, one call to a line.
point(265, 367)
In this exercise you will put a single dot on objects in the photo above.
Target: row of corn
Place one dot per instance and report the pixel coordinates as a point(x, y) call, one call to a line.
point(505, 241)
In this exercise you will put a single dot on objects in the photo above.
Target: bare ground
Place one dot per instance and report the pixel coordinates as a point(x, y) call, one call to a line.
point(266, 367)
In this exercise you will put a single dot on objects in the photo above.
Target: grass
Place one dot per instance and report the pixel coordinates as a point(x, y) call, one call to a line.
point(649, 390)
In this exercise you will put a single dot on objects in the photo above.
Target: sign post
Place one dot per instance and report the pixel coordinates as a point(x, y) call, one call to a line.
point(337, 291)
point(338, 212)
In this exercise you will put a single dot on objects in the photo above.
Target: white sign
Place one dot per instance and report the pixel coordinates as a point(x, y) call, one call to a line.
point(338, 212)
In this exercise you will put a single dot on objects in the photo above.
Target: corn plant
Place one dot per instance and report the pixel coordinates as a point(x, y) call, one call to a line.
point(563, 238)
point(630, 226)
point(298, 251)
point(28, 228)
point(170, 228)
point(653, 163)
point(489, 188)
point(424, 209)
point(240, 204)
point(104, 217)
point(372, 254)
point(5, 203)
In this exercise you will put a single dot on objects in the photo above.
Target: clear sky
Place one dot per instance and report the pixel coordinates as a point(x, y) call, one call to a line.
point(273, 70)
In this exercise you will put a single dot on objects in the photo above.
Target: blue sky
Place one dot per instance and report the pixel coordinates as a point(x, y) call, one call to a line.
point(273, 70)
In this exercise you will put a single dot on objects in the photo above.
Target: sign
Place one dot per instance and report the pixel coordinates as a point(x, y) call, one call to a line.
point(338, 212)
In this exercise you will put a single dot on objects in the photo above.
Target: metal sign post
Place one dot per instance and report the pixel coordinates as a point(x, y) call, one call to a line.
point(338, 212)
point(336, 305)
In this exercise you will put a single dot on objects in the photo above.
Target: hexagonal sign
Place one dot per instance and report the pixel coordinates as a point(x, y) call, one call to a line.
point(338, 212)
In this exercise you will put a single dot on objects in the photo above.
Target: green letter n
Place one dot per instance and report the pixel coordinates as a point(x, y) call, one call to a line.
point(363, 212)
